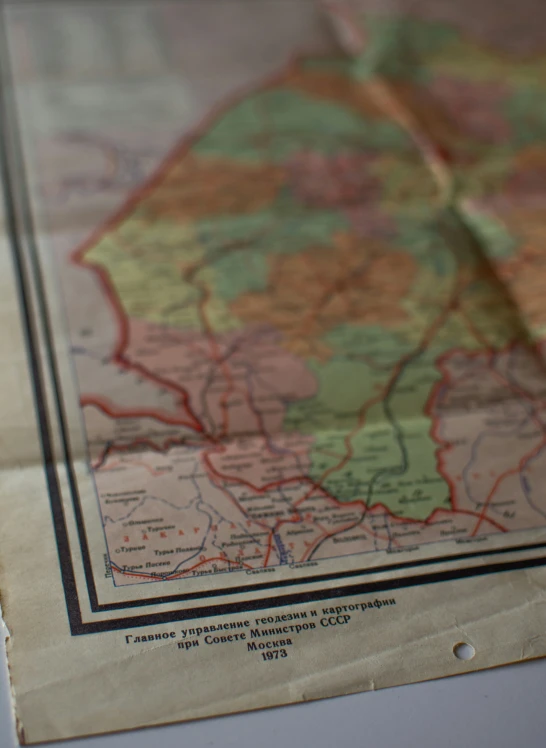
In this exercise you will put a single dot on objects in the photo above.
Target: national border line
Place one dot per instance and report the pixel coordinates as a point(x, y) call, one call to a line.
point(10, 144)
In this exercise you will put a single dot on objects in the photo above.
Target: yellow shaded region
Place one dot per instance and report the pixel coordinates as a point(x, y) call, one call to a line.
point(154, 269)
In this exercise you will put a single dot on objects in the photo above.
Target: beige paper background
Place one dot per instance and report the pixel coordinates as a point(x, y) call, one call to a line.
point(67, 685)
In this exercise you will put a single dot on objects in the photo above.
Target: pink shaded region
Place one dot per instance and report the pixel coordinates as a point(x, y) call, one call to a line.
point(474, 106)
point(342, 181)
point(488, 415)
point(238, 383)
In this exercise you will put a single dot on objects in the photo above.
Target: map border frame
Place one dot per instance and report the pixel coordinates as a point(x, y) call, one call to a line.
point(19, 215)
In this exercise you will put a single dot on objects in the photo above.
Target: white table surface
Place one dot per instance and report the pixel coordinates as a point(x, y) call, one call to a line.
point(501, 708)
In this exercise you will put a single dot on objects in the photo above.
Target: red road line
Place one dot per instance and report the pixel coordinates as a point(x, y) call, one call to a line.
point(124, 331)
point(512, 471)
point(112, 411)
point(181, 573)
point(180, 150)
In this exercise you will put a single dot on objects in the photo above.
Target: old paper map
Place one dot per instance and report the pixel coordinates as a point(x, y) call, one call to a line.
point(274, 307)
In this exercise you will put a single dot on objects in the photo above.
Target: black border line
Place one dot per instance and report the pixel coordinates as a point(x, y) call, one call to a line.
point(248, 606)
point(204, 594)
point(11, 125)
point(77, 626)
point(33, 357)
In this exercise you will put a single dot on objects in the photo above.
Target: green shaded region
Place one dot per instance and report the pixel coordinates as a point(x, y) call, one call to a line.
point(493, 313)
point(496, 240)
point(484, 299)
point(392, 456)
point(369, 417)
point(237, 248)
point(372, 434)
point(466, 59)
point(525, 110)
point(454, 250)
point(340, 64)
point(371, 345)
point(490, 167)
point(237, 273)
point(422, 233)
point(446, 241)
point(342, 387)
point(400, 47)
point(273, 125)
point(406, 181)
point(364, 357)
